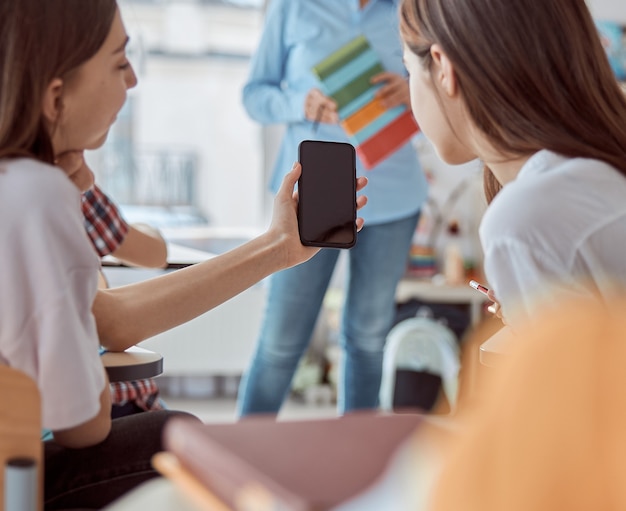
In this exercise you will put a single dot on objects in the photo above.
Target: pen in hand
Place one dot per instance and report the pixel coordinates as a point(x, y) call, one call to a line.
point(318, 117)
point(479, 287)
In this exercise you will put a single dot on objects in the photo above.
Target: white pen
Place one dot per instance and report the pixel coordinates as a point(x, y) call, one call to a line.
point(479, 287)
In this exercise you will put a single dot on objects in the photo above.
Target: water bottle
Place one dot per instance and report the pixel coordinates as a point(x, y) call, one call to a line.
point(20, 485)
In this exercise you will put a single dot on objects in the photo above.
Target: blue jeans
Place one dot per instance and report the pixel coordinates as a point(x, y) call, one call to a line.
point(376, 263)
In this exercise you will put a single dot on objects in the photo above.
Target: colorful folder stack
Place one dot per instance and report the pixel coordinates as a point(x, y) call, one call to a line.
point(422, 262)
point(374, 130)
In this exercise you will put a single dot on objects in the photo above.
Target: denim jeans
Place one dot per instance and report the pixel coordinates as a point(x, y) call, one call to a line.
point(92, 477)
point(376, 263)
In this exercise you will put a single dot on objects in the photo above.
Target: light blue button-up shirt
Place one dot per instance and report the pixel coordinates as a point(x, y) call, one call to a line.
point(298, 34)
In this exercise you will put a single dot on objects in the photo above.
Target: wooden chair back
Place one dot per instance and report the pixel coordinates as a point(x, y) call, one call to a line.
point(20, 424)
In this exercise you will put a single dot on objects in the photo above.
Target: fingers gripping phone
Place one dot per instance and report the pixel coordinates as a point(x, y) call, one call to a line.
point(327, 194)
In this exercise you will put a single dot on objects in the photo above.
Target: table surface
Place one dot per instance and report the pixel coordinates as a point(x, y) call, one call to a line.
point(445, 293)
point(133, 364)
point(177, 256)
point(442, 293)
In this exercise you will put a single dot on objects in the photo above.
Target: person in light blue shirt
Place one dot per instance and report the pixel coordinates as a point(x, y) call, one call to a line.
point(282, 89)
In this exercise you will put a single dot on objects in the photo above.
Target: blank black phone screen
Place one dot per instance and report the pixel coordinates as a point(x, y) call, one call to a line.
point(327, 194)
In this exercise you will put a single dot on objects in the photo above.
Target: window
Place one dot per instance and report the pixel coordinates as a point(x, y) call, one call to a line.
point(183, 151)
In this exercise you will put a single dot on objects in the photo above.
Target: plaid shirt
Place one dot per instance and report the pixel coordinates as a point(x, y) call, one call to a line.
point(103, 221)
point(107, 229)
point(144, 393)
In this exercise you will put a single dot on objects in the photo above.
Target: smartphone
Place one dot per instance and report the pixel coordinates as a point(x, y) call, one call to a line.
point(479, 287)
point(327, 194)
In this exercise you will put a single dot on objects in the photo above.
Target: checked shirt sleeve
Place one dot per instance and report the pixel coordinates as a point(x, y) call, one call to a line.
point(103, 221)
point(144, 393)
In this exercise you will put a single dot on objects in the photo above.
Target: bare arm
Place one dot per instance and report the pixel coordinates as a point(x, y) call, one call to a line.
point(94, 430)
point(130, 314)
point(142, 246)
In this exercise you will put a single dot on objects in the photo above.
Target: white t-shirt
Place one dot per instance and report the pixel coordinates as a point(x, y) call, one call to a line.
point(48, 281)
point(557, 230)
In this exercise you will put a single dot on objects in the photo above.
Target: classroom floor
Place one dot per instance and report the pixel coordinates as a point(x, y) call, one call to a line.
point(214, 399)
point(223, 409)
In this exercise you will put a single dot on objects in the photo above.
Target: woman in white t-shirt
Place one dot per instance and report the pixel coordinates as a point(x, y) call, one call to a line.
point(64, 78)
point(526, 87)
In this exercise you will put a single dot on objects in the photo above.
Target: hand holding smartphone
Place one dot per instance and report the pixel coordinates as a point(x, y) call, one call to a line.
point(327, 194)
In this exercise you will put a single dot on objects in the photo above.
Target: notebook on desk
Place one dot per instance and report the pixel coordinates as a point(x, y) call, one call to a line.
point(307, 465)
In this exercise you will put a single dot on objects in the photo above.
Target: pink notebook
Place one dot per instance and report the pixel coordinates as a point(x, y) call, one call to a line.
point(309, 465)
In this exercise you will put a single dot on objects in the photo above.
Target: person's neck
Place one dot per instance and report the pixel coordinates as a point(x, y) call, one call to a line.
point(504, 167)
point(506, 170)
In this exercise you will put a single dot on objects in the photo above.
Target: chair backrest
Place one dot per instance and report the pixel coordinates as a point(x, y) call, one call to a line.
point(20, 424)
point(420, 344)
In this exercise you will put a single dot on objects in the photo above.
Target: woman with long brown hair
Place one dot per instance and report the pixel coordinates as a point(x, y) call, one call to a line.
point(64, 76)
point(526, 87)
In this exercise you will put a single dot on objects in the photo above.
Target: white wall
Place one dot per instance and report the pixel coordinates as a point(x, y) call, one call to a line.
point(608, 9)
point(186, 105)
point(187, 100)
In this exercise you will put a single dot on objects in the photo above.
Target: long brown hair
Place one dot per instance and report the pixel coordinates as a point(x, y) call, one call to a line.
point(41, 40)
point(533, 74)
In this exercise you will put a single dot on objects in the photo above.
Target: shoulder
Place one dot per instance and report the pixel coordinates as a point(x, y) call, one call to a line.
point(560, 195)
point(553, 181)
point(39, 204)
point(27, 168)
point(29, 185)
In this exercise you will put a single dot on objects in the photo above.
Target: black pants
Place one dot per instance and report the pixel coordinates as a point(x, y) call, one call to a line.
point(93, 477)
